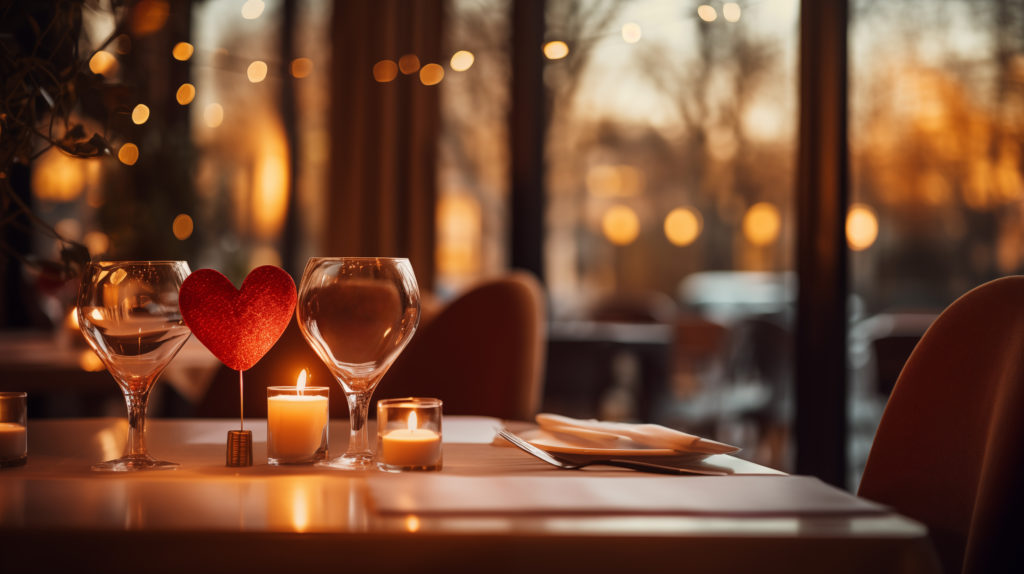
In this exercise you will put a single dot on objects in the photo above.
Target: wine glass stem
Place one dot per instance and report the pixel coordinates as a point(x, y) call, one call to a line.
point(358, 406)
point(136, 423)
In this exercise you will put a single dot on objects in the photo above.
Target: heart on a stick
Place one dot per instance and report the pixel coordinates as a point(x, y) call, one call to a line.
point(239, 326)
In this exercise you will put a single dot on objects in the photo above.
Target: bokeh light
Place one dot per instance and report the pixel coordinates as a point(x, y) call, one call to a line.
point(90, 362)
point(128, 154)
point(556, 50)
point(384, 71)
point(762, 224)
point(57, 176)
point(186, 93)
point(462, 60)
point(409, 64)
point(257, 71)
point(302, 67)
point(631, 32)
point(707, 13)
point(182, 51)
point(861, 227)
point(253, 9)
point(140, 114)
point(731, 11)
point(431, 74)
point(213, 115)
point(620, 225)
point(682, 226)
point(182, 226)
point(96, 242)
point(103, 63)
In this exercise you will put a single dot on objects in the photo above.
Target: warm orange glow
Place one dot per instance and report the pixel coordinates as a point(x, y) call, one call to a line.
point(408, 64)
point(302, 67)
point(459, 229)
point(556, 50)
point(213, 115)
point(614, 181)
point(300, 381)
point(186, 93)
point(762, 224)
point(71, 321)
point(270, 180)
point(431, 74)
point(682, 226)
point(140, 114)
point(182, 51)
point(731, 11)
point(148, 16)
point(631, 32)
point(257, 71)
point(253, 9)
point(89, 362)
point(384, 71)
point(412, 523)
point(300, 509)
point(128, 154)
point(182, 226)
point(462, 60)
point(861, 227)
point(103, 63)
point(707, 13)
point(620, 225)
point(56, 176)
point(97, 242)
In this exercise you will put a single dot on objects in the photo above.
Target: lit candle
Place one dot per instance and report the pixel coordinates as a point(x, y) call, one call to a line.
point(411, 446)
point(296, 423)
point(13, 441)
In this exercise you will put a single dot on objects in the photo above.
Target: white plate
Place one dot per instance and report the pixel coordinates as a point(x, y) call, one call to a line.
point(620, 448)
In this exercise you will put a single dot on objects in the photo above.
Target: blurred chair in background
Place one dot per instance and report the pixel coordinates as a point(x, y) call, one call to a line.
point(950, 447)
point(481, 354)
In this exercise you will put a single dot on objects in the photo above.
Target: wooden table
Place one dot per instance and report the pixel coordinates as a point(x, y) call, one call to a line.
point(204, 517)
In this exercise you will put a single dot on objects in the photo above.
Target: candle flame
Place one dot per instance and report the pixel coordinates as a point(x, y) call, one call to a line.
point(300, 383)
point(412, 421)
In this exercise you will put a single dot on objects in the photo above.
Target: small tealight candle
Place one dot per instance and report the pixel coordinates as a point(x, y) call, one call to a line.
point(409, 434)
point(13, 434)
point(297, 423)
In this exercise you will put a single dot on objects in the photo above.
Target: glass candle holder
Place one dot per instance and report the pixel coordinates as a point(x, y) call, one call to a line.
point(13, 431)
point(409, 434)
point(297, 424)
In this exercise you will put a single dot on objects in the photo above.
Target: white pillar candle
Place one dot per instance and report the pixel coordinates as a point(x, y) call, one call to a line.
point(296, 421)
point(13, 441)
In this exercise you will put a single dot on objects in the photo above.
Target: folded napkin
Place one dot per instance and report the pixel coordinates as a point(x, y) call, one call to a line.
point(648, 435)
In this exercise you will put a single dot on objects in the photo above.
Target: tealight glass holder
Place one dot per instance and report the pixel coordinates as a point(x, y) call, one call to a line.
point(409, 434)
point(297, 424)
point(13, 429)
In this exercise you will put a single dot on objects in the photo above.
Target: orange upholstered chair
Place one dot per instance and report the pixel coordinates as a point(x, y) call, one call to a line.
point(950, 447)
point(483, 354)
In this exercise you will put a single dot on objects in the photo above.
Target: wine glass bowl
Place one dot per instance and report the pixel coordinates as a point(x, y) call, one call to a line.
point(358, 314)
point(128, 312)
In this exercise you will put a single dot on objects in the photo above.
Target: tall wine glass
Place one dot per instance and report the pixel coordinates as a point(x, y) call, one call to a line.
point(358, 313)
point(128, 311)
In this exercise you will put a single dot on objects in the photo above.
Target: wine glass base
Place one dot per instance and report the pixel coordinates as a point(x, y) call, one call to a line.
point(134, 463)
point(350, 462)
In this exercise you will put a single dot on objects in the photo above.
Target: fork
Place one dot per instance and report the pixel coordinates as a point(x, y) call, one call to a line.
point(622, 463)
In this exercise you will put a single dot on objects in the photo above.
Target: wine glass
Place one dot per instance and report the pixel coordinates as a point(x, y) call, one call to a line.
point(128, 311)
point(358, 313)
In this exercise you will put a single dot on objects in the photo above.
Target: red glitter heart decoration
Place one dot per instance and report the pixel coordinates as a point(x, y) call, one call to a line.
point(238, 326)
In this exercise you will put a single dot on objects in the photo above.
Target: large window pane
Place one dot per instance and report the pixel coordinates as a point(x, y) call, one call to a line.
point(936, 123)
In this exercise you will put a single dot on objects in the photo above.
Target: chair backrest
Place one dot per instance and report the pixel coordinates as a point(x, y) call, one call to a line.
point(483, 354)
point(949, 450)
